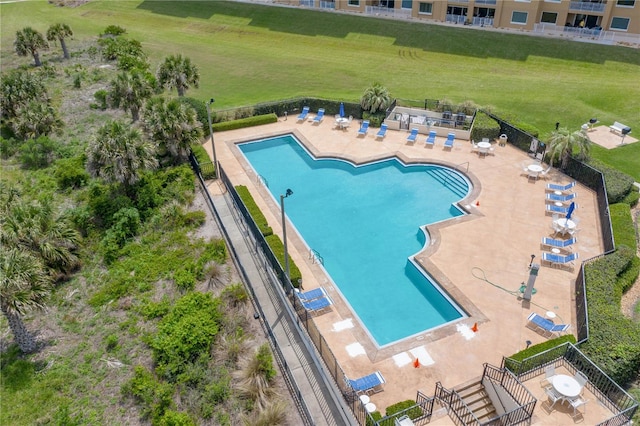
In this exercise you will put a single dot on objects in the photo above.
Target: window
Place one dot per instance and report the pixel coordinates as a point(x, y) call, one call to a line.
point(519, 17)
point(549, 17)
point(626, 3)
point(354, 3)
point(621, 24)
point(426, 8)
point(406, 4)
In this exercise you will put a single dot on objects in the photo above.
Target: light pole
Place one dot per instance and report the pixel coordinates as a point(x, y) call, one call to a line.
point(284, 235)
point(213, 145)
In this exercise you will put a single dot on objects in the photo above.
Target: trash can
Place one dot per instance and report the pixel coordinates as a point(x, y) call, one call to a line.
point(502, 140)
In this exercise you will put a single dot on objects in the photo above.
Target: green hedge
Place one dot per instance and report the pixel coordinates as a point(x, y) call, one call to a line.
point(244, 122)
point(618, 184)
point(624, 232)
point(254, 210)
point(614, 340)
point(399, 407)
point(203, 158)
point(484, 127)
point(275, 243)
point(541, 347)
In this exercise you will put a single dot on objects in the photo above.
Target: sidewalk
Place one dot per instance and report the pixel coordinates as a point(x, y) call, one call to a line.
point(317, 390)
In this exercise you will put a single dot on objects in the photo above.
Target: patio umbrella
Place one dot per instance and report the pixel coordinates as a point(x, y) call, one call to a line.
point(572, 206)
point(341, 109)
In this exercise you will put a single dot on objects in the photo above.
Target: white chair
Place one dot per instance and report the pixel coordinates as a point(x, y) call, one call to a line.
point(474, 146)
point(549, 372)
point(553, 396)
point(581, 378)
point(577, 403)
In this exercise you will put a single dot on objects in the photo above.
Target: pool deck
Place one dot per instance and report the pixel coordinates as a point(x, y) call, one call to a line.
point(481, 259)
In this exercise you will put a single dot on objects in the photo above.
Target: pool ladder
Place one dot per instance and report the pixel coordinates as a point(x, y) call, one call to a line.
point(315, 256)
point(263, 180)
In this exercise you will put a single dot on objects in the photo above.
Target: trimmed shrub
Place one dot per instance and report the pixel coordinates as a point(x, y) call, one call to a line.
point(245, 122)
point(624, 232)
point(398, 407)
point(618, 183)
point(254, 210)
point(544, 346)
point(484, 127)
point(275, 243)
point(203, 159)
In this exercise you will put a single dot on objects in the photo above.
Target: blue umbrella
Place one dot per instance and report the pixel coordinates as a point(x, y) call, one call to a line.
point(572, 206)
point(341, 109)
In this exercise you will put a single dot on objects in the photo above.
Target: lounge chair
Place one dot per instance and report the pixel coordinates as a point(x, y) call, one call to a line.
point(413, 135)
point(367, 384)
point(552, 197)
point(316, 305)
point(546, 326)
point(319, 117)
point(561, 210)
point(303, 114)
point(449, 142)
point(363, 129)
point(562, 188)
point(558, 259)
point(560, 244)
point(431, 139)
point(382, 132)
point(312, 294)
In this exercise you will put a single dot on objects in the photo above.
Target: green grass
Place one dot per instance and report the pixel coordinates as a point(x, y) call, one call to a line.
point(251, 53)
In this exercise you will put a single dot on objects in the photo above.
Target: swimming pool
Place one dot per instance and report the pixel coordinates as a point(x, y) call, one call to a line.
point(365, 223)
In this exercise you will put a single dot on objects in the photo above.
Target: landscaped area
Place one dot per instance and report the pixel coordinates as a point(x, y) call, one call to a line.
point(109, 346)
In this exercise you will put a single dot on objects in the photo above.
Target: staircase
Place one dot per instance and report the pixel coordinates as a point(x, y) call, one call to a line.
point(477, 399)
point(450, 179)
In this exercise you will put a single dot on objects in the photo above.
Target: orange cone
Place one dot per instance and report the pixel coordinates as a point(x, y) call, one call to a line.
point(475, 327)
point(416, 363)
point(478, 203)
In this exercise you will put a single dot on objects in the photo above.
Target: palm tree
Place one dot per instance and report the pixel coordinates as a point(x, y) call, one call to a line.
point(375, 98)
point(563, 143)
point(17, 89)
point(60, 32)
point(129, 91)
point(118, 154)
point(36, 119)
point(173, 125)
point(29, 42)
point(178, 72)
point(24, 286)
point(48, 235)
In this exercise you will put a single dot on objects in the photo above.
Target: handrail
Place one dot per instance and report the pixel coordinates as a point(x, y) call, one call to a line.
point(467, 163)
point(263, 180)
point(450, 171)
point(315, 256)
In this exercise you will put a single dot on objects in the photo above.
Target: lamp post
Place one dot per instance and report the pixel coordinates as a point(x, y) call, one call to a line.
point(284, 235)
point(213, 145)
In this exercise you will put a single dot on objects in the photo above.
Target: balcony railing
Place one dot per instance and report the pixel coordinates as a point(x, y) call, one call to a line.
point(584, 6)
point(486, 1)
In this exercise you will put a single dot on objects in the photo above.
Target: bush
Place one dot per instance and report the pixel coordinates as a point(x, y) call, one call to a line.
point(624, 232)
point(111, 342)
point(104, 201)
point(245, 122)
point(618, 183)
point(37, 153)
point(175, 418)
point(265, 362)
point(150, 310)
point(203, 159)
point(70, 173)
point(113, 30)
point(254, 210)
point(8, 147)
point(201, 111)
point(101, 99)
point(484, 127)
point(187, 331)
point(184, 277)
point(275, 243)
point(542, 347)
point(234, 294)
point(154, 396)
point(398, 407)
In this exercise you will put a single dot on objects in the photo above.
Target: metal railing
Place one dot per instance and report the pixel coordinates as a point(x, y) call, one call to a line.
point(420, 413)
point(609, 393)
point(459, 411)
point(584, 6)
point(516, 390)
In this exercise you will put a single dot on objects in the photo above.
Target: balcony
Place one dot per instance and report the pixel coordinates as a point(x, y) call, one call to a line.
point(583, 6)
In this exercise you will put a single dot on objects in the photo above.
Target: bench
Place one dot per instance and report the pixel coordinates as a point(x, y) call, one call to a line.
point(617, 128)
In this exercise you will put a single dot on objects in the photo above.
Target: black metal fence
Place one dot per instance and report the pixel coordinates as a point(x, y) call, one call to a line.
point(567, 355)
point(516, 390)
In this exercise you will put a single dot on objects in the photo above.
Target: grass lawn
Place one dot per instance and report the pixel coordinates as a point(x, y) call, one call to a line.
point(250, 53)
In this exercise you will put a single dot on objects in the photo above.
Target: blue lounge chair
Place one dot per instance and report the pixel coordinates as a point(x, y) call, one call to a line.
point(431, 139)
point(303, 114)
point(367, 384)
point(552, 208)
point(413, 135)
point(558, 259)
point(562, 198)
point(449, 142)
point(310, 295)
point(546, 326)
point(561, 244)
point(319, 117)
point(316, 305)
point(363, 129)
point(561, 188)
point(382, 132)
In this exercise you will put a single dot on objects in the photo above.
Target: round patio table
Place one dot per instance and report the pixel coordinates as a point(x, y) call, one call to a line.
point(566, 385)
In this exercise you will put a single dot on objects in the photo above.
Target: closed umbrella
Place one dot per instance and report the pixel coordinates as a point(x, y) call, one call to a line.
point(572, 206)
point(341, 109)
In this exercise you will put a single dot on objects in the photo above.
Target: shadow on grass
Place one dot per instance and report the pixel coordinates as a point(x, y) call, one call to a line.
point(460, 41)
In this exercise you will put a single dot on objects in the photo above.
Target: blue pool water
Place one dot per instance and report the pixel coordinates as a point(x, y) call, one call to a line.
point(365, 223)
